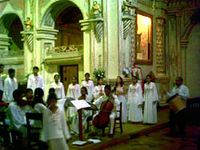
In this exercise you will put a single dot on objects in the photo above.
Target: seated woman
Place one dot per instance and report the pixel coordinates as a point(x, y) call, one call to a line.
point(38, 103)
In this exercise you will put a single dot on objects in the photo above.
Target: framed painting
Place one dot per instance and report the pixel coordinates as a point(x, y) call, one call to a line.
point(144, 38)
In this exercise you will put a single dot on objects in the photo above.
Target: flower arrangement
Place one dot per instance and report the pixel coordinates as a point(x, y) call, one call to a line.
point(99, 73)
point(126, 72)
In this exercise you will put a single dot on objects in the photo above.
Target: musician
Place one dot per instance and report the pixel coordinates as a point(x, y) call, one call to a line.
point(178, 119)
point(179, 89)
point(112, 98)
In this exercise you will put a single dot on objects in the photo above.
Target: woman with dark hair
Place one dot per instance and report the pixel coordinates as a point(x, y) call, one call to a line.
point(119, 91)
point(38, 102)
point(150, 101)
point(135, 100)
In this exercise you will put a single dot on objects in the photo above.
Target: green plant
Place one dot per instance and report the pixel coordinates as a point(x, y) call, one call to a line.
point(99, 73)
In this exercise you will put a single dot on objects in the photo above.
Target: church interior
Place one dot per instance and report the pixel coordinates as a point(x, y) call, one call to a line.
point(74, 37)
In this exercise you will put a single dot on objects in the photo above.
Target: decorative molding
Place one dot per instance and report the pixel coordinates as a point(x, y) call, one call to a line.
point(46, 33)
point(160, 62)
point(127, 24)
point(98, 27)
point(64, 49)
point(28, 39)
point(64, 54)
point(12, 60)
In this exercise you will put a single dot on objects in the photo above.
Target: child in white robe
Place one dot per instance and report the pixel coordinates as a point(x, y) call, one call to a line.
point(54, 126)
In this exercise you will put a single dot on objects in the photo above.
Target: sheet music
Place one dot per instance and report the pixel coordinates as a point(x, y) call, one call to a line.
point(79, 104)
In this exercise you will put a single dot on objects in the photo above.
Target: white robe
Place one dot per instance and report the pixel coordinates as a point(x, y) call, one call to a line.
point(90, 87)
point(151, 99)
point(35, 82)
point(59, 89)
point(135, 99)
point(55, 129)
point(73, 91)
point(122, 99)
point(17, 118)
point(10, 85)
point(98, 89)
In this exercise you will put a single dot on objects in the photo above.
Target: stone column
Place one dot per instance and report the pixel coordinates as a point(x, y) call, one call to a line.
point(160, 59)
point(160, 52)
point(4, 44)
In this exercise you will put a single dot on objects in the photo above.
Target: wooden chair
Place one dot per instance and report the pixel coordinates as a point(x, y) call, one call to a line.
point(118, 119)
point(34, 126)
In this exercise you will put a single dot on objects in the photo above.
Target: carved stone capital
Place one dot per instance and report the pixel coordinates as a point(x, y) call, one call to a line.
point(98, 26)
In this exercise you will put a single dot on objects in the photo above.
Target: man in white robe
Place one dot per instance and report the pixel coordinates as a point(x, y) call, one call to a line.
point(89, 84)
point(35, 80)
point(10, 85)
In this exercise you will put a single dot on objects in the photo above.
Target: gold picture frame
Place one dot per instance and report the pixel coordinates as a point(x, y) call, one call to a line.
point(144, 38)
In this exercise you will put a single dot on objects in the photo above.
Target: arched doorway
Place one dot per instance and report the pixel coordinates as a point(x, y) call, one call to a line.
point(64, 17)
point(10, 28)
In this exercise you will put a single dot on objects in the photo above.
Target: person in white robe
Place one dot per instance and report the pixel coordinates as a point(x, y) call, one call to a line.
point(16, 114)
point(54, 126)
point(38, 102)
point(150, 101)
point(73, 92)
point(58, 86)
point(85, 113)
point(2, 77)
point(109, 97)
point(99, 89)
point(135, 101)
point(35, 80)
point(10, 85)
point(119, 91)
point(89, 84)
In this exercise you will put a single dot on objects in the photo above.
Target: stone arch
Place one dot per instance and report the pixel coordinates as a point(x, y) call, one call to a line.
point(10, 30)
point(194, 20)
point(53, 10)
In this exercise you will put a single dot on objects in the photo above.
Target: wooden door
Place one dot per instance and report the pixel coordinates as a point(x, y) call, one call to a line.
point(67, 73)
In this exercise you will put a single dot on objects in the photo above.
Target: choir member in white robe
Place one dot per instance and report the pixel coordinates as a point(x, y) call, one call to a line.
point(35, 80)
point(85, 113)
point(58, 86)
point(99, 89)
point(54, 126)
point(89, 84)
point(135, 100)
point(2, 77)
point(150, 101)
point(119, 91)
point(10, 84)
point(73, 92)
